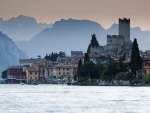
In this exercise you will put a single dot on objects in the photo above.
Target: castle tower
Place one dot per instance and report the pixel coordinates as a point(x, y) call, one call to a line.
point(124, 28)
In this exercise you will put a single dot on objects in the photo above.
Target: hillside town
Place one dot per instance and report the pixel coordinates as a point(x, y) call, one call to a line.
point(88, 68)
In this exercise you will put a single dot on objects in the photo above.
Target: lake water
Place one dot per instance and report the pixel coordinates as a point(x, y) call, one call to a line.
point(73, 99)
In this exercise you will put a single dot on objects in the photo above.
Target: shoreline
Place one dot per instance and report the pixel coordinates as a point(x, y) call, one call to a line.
point(84, 85)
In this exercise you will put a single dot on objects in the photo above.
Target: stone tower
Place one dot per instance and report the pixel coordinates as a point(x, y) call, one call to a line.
point(124, 28)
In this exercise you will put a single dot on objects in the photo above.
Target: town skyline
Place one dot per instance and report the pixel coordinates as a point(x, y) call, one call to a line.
point(102, 11)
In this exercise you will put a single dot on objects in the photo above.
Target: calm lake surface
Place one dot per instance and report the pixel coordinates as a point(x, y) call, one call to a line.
point(73, 99)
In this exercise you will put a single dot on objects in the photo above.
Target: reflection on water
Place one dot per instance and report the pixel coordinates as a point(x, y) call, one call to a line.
point(73, 99)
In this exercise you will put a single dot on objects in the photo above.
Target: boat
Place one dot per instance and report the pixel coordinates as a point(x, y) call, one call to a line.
point(21, 83)
point(34, 83)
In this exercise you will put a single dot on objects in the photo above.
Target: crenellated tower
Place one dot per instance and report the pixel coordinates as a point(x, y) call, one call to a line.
point(124, 28)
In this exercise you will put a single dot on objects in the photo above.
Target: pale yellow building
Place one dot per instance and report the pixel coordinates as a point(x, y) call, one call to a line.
point(62, 71)
point(31, 74)
point(66, 72)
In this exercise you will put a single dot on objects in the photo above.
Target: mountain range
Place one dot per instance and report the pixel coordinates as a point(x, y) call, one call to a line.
point(21, 27)
point(64, 35)
point(9, 52)
point(72, 34)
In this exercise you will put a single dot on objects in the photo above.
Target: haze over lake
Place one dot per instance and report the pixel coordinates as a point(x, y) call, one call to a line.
point(73, 99)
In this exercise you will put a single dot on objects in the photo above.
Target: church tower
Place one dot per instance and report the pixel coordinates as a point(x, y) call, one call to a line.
point(124, 28)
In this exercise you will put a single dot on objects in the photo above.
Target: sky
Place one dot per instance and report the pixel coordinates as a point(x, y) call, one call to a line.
point(105, 12)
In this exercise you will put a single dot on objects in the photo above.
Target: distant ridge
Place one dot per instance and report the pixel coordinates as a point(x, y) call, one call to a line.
point(21, 27)
point(65, 35)
point(72, 34)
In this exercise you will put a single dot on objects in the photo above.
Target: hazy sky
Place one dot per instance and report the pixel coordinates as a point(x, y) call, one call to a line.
point(105, 12)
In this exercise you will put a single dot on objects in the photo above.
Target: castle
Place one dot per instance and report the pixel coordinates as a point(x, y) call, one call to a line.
point(117, 45)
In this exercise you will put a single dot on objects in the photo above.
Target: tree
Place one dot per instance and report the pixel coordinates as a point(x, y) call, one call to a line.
point(89, 71)
point(146, 79)
point(105, 75)
point(122, 66)
point(79, 69)
point(62, 54)
point(53, 56)
point(86, 57)
point(111, 68)
point(136, 60)
point(122, 76)
point(47, 57)
point(4, 74)
point(99, 68)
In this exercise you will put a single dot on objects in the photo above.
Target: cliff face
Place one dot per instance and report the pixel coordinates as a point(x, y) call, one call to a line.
point(9, 52)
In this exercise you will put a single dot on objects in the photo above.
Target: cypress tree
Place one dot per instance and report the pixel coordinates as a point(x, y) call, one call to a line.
point(86, 57)
point(79, 69)
point(136, 60)
point(46, 57)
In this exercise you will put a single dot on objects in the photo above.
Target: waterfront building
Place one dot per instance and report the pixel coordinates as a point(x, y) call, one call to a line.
point(49, 72)
point(146, 65)
point(15, 74)
point(65, 72)
point(27, 62)
point(64, 60)
point(31, 74)
point(40, 65)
